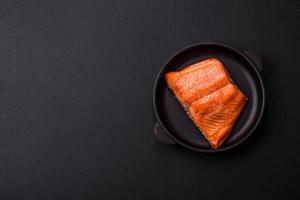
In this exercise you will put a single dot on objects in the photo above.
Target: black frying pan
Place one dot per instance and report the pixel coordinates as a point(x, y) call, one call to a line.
point(173, 124)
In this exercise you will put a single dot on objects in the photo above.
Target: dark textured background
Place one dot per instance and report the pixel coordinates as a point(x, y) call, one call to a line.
point(76, 114)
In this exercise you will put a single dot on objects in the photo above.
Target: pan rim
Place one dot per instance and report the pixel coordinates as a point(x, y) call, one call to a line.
point(253, 127)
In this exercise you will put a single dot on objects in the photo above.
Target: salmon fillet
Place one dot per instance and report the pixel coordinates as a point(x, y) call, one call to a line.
point(209, 97)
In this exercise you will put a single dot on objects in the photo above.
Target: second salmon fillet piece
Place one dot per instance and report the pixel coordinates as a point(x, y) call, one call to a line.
point(209, 97)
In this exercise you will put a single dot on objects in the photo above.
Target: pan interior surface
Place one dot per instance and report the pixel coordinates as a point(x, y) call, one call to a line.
point(174, 119)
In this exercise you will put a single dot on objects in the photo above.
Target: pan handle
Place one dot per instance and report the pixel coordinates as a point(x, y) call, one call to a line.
point(256, 59)
point(161, 135)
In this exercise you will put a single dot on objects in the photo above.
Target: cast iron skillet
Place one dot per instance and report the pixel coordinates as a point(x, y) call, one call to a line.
point(174, 126)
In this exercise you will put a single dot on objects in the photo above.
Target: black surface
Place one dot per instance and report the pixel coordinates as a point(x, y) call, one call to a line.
point(76, 80)
point(245, 73)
